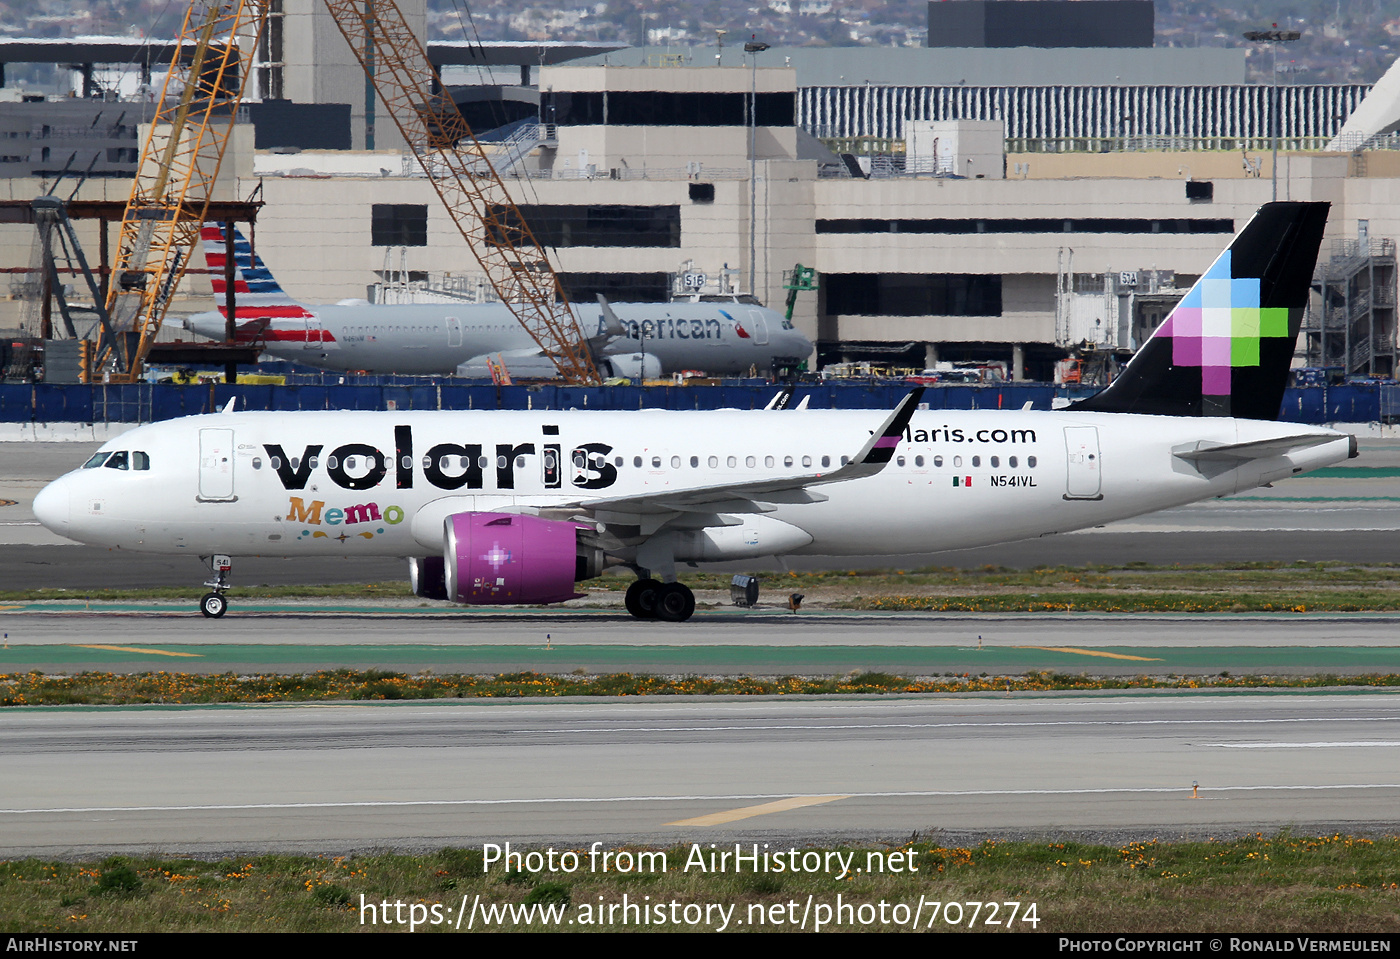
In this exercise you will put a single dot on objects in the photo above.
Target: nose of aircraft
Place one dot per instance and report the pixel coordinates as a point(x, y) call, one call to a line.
point(798, 345)
point(51, 506)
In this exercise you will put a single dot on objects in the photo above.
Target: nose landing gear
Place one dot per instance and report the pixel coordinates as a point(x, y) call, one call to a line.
point(214, 604)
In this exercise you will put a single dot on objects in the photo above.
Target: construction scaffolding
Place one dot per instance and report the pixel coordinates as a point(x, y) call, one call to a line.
point(1355, 327)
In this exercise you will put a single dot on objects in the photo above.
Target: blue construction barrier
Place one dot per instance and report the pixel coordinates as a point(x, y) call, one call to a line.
point(143, 402)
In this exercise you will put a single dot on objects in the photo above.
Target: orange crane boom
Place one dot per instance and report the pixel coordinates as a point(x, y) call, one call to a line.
point(460, 171)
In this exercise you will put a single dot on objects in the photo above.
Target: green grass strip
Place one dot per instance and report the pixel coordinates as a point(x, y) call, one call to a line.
point(101, 688)
point(1257, 884)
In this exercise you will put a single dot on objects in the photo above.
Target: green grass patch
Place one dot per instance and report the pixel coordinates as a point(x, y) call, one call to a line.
point(119, 689)
point(1258, 884)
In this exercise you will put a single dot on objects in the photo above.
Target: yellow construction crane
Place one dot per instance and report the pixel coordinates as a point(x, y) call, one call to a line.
point(180, 161)
point(181, 158)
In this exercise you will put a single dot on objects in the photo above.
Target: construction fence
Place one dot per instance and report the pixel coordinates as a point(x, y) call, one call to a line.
point(144, 403)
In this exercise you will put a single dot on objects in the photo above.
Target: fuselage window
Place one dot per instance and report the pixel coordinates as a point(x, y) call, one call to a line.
point(675, 462)
point(295, 462)
point(656, 462)
point(977, 461)
point(1030, 461)
point(768, 461)
point(276, 462)
point(312, 460)
point(617, 460)
point(733, 461)
point(501, 462)
point(957, 461)
point(899, 461)
point(750, 462)
point(636, 461)
point(714, 462)
point(1011, 461)
point(995, 462)
point(787, 460)
point(96, 461)
point(938, 462)
point(331, 462)
point(482, 462)
point(918, 461)
point(407, 462)
point(694, 462)
point(520, 462)
point(118, 461)
point(826, 461)
point(257, 462)
point(845, 460)
point(806, 461)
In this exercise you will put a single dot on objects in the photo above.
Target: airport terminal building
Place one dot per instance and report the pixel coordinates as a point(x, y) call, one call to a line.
point(962, 213)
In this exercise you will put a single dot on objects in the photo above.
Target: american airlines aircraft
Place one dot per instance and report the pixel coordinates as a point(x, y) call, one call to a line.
point(516, 507)
point(726, 337)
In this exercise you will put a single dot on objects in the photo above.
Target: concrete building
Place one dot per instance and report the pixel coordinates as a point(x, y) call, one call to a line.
point(647, 177)
point(960, 240)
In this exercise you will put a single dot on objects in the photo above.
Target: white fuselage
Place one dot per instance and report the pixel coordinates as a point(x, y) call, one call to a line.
point(246, 483)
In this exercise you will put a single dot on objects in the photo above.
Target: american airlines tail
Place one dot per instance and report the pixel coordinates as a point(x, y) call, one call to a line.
point(1226, 349)
point(257, 296)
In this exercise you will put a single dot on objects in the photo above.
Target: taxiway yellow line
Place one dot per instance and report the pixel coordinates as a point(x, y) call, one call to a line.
point(748, 812)
point(1093, 652)
point(134, 649)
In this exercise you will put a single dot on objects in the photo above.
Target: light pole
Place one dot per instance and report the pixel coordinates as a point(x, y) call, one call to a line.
point(753, 48)
point(1273, 38)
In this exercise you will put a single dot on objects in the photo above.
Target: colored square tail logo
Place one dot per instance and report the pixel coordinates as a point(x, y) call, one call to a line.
point(1219, 326)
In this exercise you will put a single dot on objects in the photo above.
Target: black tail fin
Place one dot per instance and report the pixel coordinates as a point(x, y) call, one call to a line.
point(1226, 349)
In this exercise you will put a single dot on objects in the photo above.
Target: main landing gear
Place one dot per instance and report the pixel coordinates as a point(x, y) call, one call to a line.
point(650, 599)
point(214, 604)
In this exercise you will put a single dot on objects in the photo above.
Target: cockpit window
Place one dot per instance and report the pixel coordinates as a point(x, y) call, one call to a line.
point(118, 461)
point(97, 460)
point(140, 461)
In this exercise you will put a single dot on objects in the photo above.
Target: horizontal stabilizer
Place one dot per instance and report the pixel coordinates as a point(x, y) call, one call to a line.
point(1259, 449)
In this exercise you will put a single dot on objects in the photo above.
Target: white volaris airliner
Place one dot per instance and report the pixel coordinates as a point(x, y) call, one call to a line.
point(719, 335)
point(516, 507)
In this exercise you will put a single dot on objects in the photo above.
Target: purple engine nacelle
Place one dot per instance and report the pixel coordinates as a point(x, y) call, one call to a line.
point(505, 558)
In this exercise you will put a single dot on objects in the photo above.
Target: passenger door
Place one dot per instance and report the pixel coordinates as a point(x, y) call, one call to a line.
point(216, 466)
point(1083, 480)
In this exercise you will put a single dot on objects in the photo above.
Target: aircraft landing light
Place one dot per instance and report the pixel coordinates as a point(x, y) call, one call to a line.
point(748, 812)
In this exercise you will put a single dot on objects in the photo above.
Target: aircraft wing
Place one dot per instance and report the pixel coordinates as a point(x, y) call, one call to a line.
point(747, 497)
point(612, 327)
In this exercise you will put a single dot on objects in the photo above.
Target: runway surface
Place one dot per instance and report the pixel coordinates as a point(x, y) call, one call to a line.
point(67, 638)
point(339, 779)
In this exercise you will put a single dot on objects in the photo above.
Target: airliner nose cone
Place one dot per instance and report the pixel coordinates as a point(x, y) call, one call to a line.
point(51, 507)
